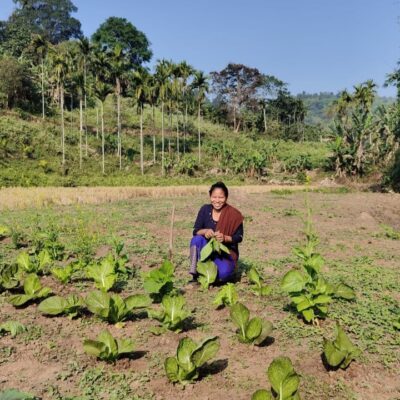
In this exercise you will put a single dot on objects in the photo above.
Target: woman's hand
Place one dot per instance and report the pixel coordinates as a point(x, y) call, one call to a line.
point(209, 233)
point(219, 236)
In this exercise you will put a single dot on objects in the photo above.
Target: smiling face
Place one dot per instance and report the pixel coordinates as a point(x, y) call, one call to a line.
point(218, 199)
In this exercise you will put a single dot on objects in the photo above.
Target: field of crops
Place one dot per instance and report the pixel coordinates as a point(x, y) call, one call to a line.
point(102, 261)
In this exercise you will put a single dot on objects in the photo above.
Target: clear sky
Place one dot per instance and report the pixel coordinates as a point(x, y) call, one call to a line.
point(314, 45)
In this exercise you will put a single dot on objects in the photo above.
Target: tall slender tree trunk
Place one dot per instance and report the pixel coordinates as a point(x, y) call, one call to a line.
point(154, 134)
point(85, 102)
point(119, 121)
point(185, 127)
point(141, 139)
point(97, 122)
point(162, 138)
point(62, 123)
point(265, 120)
point(177, 135)
point(199, 134)
point(80, 131)
point(102, 137)
point(43, 111)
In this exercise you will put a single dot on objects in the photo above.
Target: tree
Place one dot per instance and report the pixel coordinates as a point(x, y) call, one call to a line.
point(201, 87)
point(237, 85)
point(49, 18)
point(118, 31)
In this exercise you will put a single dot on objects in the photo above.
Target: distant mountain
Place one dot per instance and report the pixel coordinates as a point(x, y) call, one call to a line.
point(317, 105)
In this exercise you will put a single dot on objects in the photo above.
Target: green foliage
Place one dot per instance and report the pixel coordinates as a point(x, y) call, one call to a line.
point(63, 274)
point(34, 264)
point(340, 352)
point(284, 382)
point(13, 394)
point(108, 348)
point(48, 240)
point(258, 288)
point(226, 296)
point(4, 231)
point(14, 328)
point(113, 308)
point(103, 273)
point(208, 272)
point(32, 290)
point(213, 246)
point(8, 276)
point(172, 314)
point(160, 281)
point(253, 330)
point(56, 305)
point(391, 233)
point(190, 356)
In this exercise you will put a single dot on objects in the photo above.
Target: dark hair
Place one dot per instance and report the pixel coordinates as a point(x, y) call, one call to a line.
point(219, 185)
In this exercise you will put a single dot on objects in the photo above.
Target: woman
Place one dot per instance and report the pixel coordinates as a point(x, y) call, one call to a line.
point(223, 222)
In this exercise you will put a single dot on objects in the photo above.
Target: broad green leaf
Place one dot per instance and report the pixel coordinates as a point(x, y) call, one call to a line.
point(24, 261)
point(54, 305)
point(289, 386)
point(173, 307)
point(227, 295)
point(63, 274)
point(108, 340)
point(224, 248)
point(118, 310)
point(184, 353)
point(125, 346)
point(93, 347)
point(315, 262)
point(254, 276)
point(240, 316)
point(253, 329)
point(306, 303)
point(333, 356)
point(208, 273)
point(98, 303)
point(206, 251)
point(106, 276)
point(19, 299)
point(207, 350)
point(279, 370)
point(44, 259)
point(12, 327)
point(345, 292)
point(4, 231)
point(167, 268)
point(262, 394)
point(172, 369)
point(137, 301)
point(43, 292)
point(293, 281)
point(32, 284)
point(265, 290)
point(342, 341)
point(308, 314)
point(322, 299)
point(267, 328)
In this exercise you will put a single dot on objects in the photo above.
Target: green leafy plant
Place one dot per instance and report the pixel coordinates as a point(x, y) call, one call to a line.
point(56, 305)
point(32, 290)
point(48, 240)
point(172, 314)
point(34, 264)
point(258, 288)
point(253, 330)
point(8, 276)
point(160, 281)
point(190, 356)
point(208, 272)
point(14, 328)
point(63, 274)
point(13, 394)
point(120, 259)
point(4, 231)
point(227, 296)
point(308, 289)
point(113, 308)
point(284, 382)
point(108, 348)
point(103, 274)
point(340, 352)
point(213, 246)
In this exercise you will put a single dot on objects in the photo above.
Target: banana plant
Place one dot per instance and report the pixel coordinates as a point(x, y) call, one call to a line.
point(253, 330)
point(190, 356)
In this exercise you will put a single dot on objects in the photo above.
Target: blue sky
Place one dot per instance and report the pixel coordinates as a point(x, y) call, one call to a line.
point(314, 45)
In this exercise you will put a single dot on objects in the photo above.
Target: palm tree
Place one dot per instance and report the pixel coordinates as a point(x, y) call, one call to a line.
point(141, 94)
point(162, 81)
point(200, 84)
point(41, 47)
point(394, 79)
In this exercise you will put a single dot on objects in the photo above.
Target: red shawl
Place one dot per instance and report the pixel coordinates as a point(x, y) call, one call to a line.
point(229, 220)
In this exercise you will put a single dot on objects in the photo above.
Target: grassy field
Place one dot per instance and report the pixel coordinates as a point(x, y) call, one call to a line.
point(358, 240)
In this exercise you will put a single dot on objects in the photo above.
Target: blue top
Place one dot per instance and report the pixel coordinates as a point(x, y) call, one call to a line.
point(204, 220)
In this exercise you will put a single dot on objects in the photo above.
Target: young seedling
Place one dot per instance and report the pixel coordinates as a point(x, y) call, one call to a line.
point(159, 282)
point(34, 264)
point(56, 305)
point(227, 296)
point(340, 352)
point(258, 288)
point(190, 356)
point(207, 271)
point(172, 315)
point(14, 328)
point(284, 382)
point(63, 274)
point(253, 331)
point(103, 274)
point(32, 290)
point(113, 308)
point(108, 348)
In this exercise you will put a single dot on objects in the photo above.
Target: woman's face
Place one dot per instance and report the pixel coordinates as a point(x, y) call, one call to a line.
point(218, 198)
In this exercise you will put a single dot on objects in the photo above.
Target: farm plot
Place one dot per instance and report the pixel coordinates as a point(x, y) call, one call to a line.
point(100, 319)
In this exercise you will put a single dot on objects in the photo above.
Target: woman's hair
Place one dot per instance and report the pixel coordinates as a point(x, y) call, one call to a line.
point(219, 185)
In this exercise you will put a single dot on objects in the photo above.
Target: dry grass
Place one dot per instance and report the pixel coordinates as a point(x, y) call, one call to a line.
point(20, 198)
